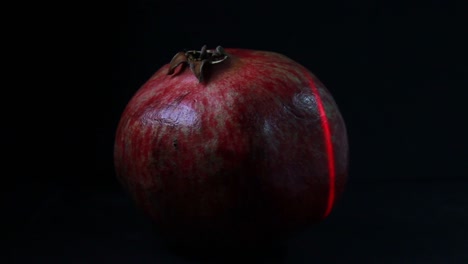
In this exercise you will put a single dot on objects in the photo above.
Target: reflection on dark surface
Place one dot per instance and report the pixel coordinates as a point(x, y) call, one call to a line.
point(393, 222)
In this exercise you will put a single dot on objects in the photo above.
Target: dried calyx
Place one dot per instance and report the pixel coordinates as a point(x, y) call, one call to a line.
point(197, 60)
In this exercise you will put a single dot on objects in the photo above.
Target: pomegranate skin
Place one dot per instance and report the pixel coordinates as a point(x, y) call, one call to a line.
point(256, 151)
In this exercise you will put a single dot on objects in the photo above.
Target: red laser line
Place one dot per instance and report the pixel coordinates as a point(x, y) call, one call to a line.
point(328, 146)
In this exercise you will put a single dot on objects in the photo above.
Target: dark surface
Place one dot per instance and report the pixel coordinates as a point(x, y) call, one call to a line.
point(387, 222)
point(397, 70)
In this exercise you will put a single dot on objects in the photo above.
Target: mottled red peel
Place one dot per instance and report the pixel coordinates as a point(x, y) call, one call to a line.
point(259, 149)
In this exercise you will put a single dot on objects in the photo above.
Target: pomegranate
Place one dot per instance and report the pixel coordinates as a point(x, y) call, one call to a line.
point(232, 145)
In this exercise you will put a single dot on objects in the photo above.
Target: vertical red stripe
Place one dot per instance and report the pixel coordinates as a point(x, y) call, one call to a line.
point(328, 146)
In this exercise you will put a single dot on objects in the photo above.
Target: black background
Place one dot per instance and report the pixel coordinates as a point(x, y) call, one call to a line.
point(395, 68)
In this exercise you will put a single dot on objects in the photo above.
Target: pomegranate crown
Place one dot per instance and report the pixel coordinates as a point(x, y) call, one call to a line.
point(197, 60)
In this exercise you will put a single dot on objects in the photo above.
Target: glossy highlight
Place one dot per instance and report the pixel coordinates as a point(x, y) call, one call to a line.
point(328, 146)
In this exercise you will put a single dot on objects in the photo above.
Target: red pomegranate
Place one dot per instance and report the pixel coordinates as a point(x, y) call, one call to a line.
point(243, 145)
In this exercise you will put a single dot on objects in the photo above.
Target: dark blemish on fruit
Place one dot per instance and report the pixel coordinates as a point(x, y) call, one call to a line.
point(175, 143)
